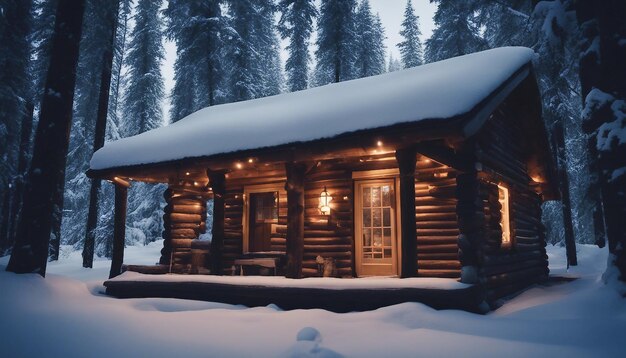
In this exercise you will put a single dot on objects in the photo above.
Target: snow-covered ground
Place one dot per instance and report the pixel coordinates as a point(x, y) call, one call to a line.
point(66, 315)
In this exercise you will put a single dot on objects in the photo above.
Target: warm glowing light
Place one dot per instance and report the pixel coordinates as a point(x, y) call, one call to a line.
point(195, 183)
point(441, 175)
point(187, 173)
point(427, 160)
point(236, 196)
point(536, 179)
point(379, 143)
point(345, 197)
point(250, 160)
point(325, 199)
point(503, 198)
point(239, 165)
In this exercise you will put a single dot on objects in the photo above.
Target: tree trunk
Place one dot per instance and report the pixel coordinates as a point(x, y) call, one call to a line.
point(407, 159)
point(22, 166)
point(47, 172)
point(570, 242)
point(100, 132)
point(218, 183)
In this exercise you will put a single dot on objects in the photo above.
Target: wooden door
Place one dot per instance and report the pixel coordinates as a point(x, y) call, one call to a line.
point(263, 214)
point(375, 228)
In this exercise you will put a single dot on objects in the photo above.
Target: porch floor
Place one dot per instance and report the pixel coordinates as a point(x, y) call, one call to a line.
point(333, 294)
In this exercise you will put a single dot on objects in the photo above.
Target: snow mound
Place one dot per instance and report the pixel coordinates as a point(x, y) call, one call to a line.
point(307, 345)
point(434, 91)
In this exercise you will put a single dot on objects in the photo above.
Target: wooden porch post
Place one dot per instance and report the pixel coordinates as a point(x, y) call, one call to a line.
point(217, 180)
point(119, 229)
point(469, 210)
point(295, 218)
point(407, 159)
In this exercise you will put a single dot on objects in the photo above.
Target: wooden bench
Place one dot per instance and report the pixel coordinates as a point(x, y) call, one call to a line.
point(268, 262)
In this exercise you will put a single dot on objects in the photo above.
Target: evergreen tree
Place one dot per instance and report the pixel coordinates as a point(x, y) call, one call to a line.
point(393, 64)
point(94, 41)
point(603, 85)
point(244, 57)
point(142, 112)
point(296, 23)
point(336, 39)
point(411, 47)
point(109, 12)
point(457, 32)
point(119, 53)
point(15, 96)
point(46, 175)
point(267, 44)
point(198, 28)
point(370, 47)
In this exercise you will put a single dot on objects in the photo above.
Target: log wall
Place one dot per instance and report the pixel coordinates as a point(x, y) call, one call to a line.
point(333, 235)
point(437, 228)
point(501, 150)
point(184, 220)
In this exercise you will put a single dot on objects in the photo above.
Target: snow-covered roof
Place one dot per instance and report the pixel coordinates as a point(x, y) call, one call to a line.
point(438, 90)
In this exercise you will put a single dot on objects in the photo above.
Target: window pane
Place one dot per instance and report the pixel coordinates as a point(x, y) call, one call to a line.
point(367, 237)
point(386, 217)
point(376, 217)
point(376, 196)
point(387, 252)
point(367, 197)
point(386, 195)
point(387, 237)
point(367, 217)
point(378, 240)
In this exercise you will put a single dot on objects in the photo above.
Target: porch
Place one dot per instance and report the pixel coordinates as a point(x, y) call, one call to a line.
point(332, 294)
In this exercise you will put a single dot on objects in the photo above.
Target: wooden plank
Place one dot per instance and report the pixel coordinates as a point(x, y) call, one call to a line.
point(119, 230)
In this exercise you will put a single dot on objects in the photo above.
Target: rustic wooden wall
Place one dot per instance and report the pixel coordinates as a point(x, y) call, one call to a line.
point(184, 220)
point(333, 235)
point(437, 227)
point(502, 151)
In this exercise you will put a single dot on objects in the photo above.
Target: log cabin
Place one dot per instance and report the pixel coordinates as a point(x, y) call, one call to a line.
point(434, 171)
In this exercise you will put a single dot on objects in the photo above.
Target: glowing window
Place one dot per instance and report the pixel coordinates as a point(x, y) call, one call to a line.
point(503, 198)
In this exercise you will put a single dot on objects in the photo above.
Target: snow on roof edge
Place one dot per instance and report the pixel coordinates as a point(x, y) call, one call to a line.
point(439, 90)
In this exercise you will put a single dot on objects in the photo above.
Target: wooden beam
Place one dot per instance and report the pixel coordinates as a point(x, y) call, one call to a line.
point(295, 217)
point(407, 159)
point(119, 229)
point(217, 181)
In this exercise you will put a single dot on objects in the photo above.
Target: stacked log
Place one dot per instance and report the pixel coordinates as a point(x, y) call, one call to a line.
point(437, 228)
point(233, 225)
point(184, 220)
point(505, 270)
point(471, 223)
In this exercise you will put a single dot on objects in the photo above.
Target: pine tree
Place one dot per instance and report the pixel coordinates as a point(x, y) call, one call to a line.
point(198, 28)
point(267, 44)
point(370, 47)
point(411, 47)
point(109, 13)
point(393, 64)
point(296, 23)
point(245, 60)
point(15, 96)
point(603, 85)
point(142, 112)
point(47, 172)
point(457, 32)
point(119, 53)
point(94, 41)
point(336, 39)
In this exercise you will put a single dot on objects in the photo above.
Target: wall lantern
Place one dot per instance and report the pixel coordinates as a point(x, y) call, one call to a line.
point(325, 199)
